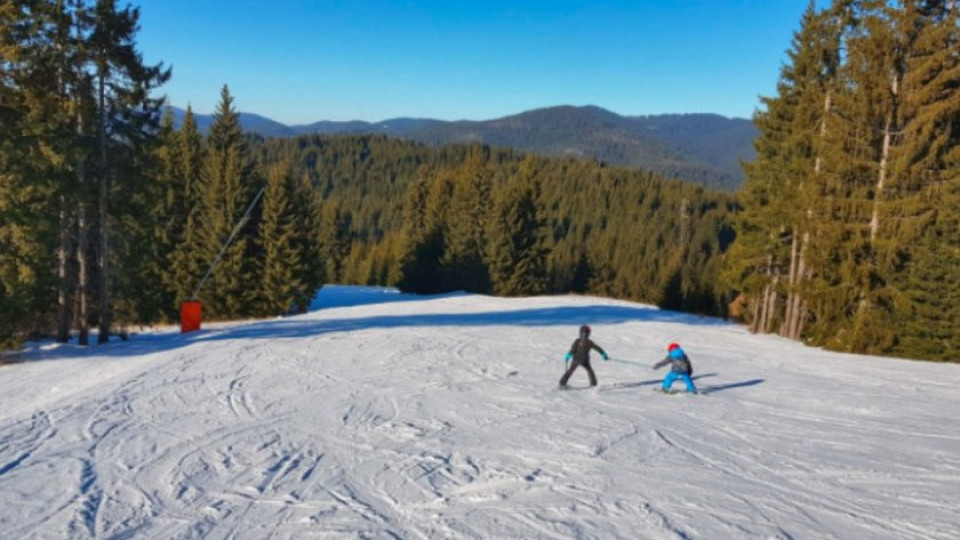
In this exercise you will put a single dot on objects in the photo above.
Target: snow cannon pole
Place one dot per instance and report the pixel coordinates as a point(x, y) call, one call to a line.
point(191, 310)
point(226, 244)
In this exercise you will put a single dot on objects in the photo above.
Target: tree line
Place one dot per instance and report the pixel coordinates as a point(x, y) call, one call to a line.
point(496, 221)
point(850, 236)
point(377, 210)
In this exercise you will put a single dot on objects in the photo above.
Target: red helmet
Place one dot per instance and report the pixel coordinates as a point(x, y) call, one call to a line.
point(673, 346)
point(584, 331)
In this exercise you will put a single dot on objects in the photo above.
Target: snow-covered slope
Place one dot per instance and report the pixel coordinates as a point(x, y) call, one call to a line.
point(440, 418)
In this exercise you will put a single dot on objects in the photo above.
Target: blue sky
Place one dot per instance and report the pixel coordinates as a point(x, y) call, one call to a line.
point(300, 61)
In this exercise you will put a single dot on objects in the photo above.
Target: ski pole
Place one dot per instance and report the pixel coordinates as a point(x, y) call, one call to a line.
point(627, 362)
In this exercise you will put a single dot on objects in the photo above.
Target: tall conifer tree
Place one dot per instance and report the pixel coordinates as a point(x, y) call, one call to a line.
point(465, 257)
point(229, 187)
point(924, 218)
point(284, 272)
point(186, 261)
point(517, 255)
point(334, 240)
point(782, 183)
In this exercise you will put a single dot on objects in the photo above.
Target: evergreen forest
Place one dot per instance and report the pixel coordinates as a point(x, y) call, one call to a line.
point(844, 235)
point(850, 232)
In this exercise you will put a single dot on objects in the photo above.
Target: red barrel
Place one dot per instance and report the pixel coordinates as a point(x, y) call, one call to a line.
point(190, 312)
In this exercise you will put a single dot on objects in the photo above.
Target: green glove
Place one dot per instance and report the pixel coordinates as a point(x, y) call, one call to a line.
point(567, 357)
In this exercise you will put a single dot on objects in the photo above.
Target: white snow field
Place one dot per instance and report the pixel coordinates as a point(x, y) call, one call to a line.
point(381, 415)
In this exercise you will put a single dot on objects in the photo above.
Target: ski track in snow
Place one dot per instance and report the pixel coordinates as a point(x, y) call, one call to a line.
point(440, 418)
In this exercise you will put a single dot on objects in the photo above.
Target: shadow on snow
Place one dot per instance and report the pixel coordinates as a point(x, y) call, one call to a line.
point(305, 326)
point(722, 387)
point(652, 382)
point(703, 389)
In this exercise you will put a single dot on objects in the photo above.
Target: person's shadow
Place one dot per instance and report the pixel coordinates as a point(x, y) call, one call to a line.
point(703, 389)
point(652, 382)
point(723, 387)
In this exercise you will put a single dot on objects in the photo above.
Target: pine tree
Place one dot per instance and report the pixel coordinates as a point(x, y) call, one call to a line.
point(425, 234)
point(46, 100)
point(782, 184)
point(307, 206)
point(284, 272)
point(27, 219)
point(186, 263)
point(414, 264)
point(126, 116)
point(229, 181)
point(334, 241)
point(158, 230)
point(925, 168)
point(881, 221)
point(517, 255)
point(13, 285)
point(465, 257)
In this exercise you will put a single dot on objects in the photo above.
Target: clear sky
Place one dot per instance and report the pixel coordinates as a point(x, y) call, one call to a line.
point(300, 61)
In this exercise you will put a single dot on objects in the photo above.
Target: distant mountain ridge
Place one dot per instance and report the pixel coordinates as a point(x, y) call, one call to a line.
point(703, 148)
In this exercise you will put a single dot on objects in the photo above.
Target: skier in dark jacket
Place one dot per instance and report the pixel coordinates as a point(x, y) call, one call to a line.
point(580, 353)
point(680, 368)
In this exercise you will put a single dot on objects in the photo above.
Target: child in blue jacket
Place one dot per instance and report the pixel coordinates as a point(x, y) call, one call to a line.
point(680, 368)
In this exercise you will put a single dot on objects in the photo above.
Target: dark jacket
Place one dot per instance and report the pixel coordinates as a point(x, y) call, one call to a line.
point(581, 350)
point(679, 365)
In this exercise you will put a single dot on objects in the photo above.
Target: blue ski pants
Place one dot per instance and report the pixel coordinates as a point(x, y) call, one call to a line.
point(672, 376)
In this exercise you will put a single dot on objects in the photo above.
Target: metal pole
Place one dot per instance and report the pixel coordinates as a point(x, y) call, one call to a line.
point(227, 244)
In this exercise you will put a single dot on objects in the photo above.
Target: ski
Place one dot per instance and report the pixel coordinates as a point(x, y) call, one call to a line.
point(674, 392)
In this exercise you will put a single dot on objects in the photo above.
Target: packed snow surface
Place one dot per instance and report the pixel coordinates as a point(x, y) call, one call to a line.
point(382, 415)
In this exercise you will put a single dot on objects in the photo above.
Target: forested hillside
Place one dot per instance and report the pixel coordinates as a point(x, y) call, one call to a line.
point(702, 148)
point(465, 217)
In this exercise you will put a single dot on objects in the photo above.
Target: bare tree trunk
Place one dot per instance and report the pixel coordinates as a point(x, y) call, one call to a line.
point(791, 284)
point(63, 273)
point(66, 223)
point(104, 225)
point(82, 275)
point(772, 302)
point(768, 302)
point(865, 304)
point(764, 313)
point(761, 311)
point(754, 316)
point(798, 311)
point(802, 320)
point(884, 161)
point(760, 307)
point(818, 163)
point(799, 307)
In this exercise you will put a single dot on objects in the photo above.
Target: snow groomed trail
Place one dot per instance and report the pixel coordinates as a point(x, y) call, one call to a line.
point(383, 415)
